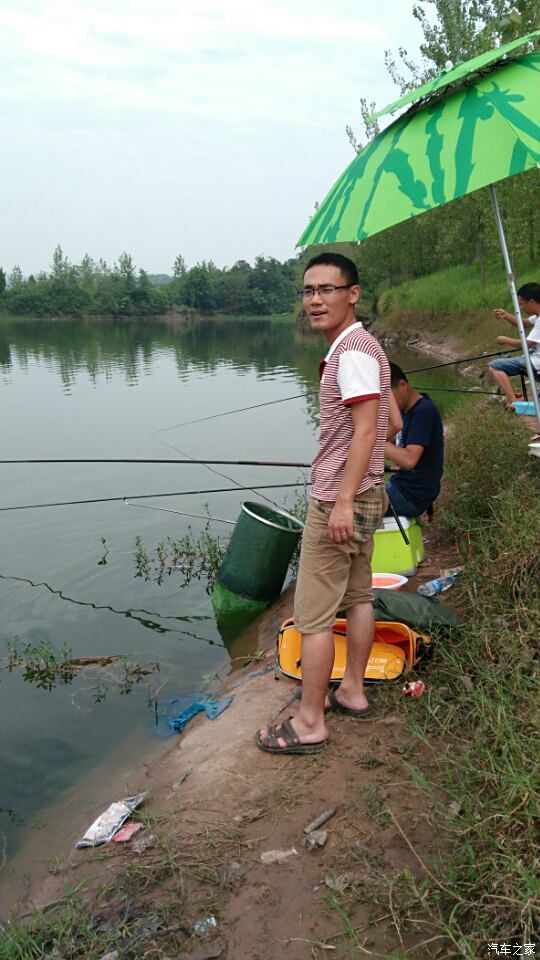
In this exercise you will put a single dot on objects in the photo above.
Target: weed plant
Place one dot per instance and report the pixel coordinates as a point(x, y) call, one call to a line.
point(193, 556)
point(486, 464)
point(481, 704)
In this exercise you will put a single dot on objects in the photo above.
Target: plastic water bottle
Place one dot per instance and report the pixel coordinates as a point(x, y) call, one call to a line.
point(439, 585)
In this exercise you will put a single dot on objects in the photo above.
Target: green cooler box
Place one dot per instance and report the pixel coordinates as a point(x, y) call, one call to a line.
point(391, 554)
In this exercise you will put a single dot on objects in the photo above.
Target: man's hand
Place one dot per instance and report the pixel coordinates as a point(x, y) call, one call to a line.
point(504, 315)
point(341, 522)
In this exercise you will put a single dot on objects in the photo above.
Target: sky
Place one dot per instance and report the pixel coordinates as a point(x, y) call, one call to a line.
point(200, 127)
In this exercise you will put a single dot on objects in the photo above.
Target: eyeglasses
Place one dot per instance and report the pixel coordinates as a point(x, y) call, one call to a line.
point(326, 290)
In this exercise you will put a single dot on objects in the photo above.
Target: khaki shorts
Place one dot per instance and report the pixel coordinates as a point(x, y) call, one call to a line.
point(335, 576)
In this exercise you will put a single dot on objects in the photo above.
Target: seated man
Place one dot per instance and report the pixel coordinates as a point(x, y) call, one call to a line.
point(418, 450)
point(505, 367)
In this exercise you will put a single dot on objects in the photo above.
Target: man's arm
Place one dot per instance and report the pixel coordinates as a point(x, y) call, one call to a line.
point(511, 318)
point(341, 520)
point(406, 457)
point(395, 420)
point(509, 341)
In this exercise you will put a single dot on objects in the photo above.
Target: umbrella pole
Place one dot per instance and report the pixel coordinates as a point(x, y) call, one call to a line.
point(512, 285)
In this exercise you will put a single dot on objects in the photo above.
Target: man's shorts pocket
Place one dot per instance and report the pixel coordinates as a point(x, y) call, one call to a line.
point(368, 513)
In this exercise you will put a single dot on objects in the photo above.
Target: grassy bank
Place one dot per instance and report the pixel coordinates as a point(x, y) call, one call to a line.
point(483, 691)
point(452, 304)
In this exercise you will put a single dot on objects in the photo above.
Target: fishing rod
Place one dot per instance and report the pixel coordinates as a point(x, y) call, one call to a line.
point(147, 496)
point(449, 363)
point(233, 463)
point(485, 393)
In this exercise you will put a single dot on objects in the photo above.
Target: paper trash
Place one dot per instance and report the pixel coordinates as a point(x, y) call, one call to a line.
point(104, 828)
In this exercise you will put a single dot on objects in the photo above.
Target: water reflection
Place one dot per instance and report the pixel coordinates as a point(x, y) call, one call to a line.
point(108, 346)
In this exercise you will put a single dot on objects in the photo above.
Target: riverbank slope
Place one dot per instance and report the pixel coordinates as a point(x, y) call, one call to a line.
point(450, 313)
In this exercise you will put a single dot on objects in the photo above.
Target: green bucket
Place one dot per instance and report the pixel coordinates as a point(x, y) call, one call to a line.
point(259, 552)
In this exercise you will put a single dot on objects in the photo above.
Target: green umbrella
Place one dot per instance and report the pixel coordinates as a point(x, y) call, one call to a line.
point(450, 146)
point(454, 75)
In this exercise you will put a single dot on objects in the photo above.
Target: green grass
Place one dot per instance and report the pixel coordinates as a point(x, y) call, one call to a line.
point(453, 304)
point(488, 471)
point(479, 717)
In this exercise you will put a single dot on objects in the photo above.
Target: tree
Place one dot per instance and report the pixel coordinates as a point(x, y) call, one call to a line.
point(460, 29)
point(60, 265)
point(179, 267)
point(2, 281)
point(16, 279)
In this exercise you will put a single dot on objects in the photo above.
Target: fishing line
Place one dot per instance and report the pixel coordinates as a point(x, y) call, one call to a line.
point(218, 473)
point(196, 516)
point(129, 614)
point(298, 396)
point(228, 413)
point(149, 496)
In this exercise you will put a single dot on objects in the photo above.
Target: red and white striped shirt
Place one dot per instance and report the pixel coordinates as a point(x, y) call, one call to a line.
point(354, 369)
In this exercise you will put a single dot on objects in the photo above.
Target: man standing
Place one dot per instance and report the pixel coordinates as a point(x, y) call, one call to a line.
point(348, 502)
point(419, 450)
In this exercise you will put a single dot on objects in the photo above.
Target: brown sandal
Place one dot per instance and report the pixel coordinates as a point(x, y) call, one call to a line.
point(364, 714)
point(286, 732)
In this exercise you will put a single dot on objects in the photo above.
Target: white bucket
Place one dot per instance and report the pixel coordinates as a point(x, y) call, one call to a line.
point(388, 581)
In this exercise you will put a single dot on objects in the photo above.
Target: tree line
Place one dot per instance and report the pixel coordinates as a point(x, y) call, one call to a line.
point(93, 288)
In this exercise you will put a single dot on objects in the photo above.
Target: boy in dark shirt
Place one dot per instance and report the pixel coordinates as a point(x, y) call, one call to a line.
point(418, 449)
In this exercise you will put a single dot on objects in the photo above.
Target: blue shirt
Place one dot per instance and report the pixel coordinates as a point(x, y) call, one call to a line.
point(422, 425)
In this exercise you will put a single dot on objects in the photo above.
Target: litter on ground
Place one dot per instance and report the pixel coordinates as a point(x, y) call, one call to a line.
point(277, 856)
point(318, 822)
point(126, 832)
point(315, 839)
point(109, 822)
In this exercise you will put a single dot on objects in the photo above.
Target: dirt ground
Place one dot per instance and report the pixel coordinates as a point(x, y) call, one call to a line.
point(216, 804)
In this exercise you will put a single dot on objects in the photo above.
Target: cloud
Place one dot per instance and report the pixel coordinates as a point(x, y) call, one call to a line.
point(189, 56)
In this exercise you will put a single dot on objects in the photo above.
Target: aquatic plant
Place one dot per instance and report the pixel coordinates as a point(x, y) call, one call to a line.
point(41, 665)
point(193, 556)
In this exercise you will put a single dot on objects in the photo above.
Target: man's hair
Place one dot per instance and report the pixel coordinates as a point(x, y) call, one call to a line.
point(530, 291)
point(396, 374)
point(346, 266)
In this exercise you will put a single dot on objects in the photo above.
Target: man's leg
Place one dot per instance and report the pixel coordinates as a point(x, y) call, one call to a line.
point(358, 602)
point(402, 506)
point(501, 371)
point(322, 580)
point(317, 662)
point(360, 634)
point(503, 381)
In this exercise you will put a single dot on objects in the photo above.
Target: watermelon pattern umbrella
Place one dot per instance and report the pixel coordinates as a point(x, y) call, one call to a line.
point(456, 140)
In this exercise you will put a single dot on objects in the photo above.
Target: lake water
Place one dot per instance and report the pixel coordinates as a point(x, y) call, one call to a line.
point(108, 389)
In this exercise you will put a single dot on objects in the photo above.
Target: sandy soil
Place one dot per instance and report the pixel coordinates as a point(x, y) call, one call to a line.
point(217, 803)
